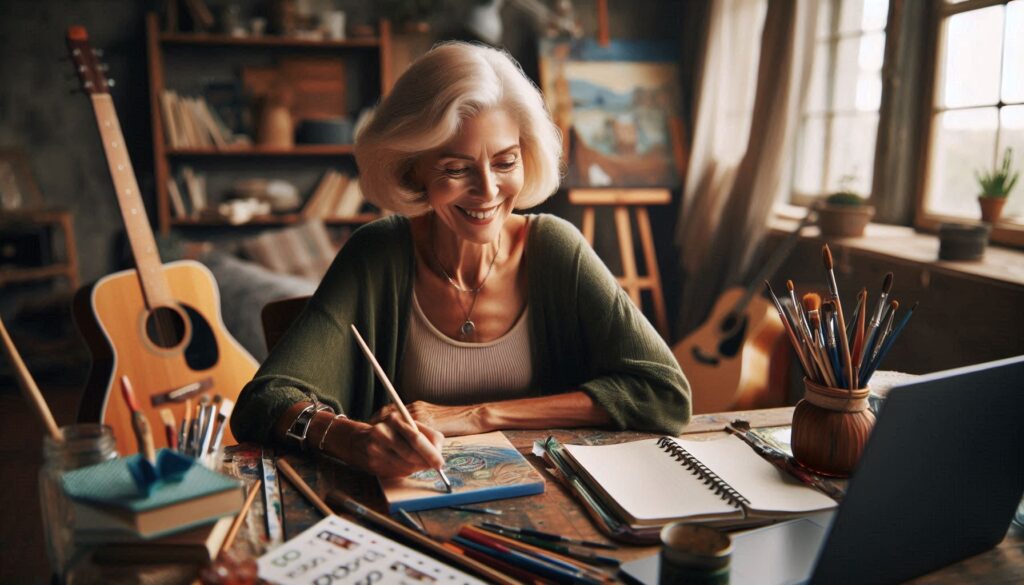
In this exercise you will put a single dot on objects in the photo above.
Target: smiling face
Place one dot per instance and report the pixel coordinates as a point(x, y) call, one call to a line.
point(472, 182)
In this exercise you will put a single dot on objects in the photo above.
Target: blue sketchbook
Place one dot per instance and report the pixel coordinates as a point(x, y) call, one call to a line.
point(481, 467)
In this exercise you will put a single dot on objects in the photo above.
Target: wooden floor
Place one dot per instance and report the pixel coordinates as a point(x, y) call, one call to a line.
point(21, 530)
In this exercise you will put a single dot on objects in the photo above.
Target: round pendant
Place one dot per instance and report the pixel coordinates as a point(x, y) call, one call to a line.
point(467, 328)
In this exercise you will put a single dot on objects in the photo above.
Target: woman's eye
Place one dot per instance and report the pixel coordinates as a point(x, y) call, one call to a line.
point(458, 172)
point(506, 165)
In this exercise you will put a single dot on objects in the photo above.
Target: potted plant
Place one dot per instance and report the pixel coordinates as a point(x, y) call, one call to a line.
point(995, 187)
point(844, 214)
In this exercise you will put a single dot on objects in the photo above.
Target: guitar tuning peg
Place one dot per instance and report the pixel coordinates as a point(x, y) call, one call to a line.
point(111, 82)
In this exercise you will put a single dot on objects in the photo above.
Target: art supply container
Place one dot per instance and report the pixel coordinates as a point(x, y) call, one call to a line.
point(83, 445)
point(694, 554)
point(830, 428)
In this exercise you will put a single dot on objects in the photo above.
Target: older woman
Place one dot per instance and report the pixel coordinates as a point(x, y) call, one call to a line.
point(485, 319)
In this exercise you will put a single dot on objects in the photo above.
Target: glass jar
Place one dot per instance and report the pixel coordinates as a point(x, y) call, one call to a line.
point(83, 445)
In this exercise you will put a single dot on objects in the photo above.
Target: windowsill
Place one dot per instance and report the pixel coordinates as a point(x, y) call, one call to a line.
point(1001, 265)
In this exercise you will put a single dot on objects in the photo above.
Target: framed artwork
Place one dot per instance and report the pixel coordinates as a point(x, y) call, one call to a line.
point(618, 109)
point(18, 189)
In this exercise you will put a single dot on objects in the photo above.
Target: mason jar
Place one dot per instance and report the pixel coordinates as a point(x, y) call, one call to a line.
point(83, 445)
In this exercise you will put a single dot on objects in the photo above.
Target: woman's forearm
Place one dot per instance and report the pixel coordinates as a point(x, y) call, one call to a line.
point(573, 409)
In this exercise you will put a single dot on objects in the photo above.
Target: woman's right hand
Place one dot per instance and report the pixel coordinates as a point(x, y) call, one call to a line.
point(389, 448)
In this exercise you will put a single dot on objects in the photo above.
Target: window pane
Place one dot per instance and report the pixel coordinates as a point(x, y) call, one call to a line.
point(869, 91)
point(876, 13)
point(819, 79)
point(872, 51)
point(972, 58)
point(810, 163)
point(847, 70)
point(852, 157)
point(1013, 54)
point(964, 143)
point(851, 15)
point(1011, 133)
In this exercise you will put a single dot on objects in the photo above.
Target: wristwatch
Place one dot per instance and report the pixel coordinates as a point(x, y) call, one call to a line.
point(296, 433)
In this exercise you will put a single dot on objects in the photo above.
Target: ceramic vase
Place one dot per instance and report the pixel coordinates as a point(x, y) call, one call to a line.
point(830, 428)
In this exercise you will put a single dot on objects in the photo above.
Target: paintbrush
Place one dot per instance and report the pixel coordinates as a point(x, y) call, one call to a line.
point(812, 306)
point(890, 340)
point(808, 369)
point(186, 427)
point(226, 406)
point(140, 424)
point(828, 309)
point(886, 331)
point(833, 289)
point(858, 336)
point(383, 377)
point(786, 463)
point(876, 317)
point(29, 389)
point(170, 432)
point(797, 307)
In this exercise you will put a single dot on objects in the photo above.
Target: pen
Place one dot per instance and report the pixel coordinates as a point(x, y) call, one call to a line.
point(548, 536)
point(394, 396)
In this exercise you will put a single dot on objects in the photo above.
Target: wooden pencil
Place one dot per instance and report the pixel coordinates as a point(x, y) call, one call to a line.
point(29, 389)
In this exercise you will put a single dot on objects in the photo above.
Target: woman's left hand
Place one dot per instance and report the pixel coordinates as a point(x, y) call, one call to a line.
point(449, 420)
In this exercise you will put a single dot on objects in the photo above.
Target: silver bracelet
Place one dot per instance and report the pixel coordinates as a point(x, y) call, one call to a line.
point(323, 437)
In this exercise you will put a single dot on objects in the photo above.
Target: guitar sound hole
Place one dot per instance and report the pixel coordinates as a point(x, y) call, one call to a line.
point(165, 327)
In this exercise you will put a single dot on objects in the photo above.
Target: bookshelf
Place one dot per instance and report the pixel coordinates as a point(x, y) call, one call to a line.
point(177, 58)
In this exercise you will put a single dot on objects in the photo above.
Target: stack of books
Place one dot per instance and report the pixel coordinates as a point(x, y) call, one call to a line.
point(179, 521)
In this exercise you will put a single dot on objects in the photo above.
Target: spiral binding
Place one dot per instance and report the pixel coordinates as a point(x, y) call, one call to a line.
point(721, 487)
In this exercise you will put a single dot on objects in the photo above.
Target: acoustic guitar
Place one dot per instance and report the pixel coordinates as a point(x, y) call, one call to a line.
point(727, 360)
point(159, 324)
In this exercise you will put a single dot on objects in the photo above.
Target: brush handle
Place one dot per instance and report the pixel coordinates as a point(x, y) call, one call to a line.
point(28, 387)
point(888, 344)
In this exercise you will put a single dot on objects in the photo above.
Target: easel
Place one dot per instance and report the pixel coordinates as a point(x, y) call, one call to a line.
point(624, 202)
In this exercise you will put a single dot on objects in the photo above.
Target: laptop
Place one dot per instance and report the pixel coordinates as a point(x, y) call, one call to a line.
point(939, 481)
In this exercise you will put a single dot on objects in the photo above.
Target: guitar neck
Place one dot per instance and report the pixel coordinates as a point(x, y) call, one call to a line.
point(140, 236)
point(773, 263)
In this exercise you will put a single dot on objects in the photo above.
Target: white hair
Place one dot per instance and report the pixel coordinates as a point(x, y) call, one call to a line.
point(425, 109)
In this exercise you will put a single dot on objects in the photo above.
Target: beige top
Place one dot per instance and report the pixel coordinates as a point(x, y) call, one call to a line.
point(438, 369)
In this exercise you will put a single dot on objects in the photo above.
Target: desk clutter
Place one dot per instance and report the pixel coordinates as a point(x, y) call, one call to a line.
point(832, 423)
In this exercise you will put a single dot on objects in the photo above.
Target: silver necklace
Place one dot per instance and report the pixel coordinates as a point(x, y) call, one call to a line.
point(468, 327)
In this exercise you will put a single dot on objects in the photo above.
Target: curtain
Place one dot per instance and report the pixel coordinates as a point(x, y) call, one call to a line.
point(754, 75)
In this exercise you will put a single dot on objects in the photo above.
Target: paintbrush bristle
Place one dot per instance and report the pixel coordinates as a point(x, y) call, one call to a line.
point(769, 285)
point(828, 306)
point(826, 257)
point(811, 302)
point(167, 416)
point(887, 283)
point(894, 304)
point(789, 286)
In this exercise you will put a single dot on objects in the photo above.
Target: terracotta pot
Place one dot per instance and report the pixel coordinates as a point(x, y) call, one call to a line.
point(830, 428)
point(991, 208)
point(844, 221)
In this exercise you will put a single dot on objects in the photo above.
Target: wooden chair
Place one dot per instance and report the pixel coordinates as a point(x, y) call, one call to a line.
point(277, 317)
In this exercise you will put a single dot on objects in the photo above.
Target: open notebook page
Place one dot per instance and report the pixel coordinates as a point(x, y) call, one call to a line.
point(648, 483)
point(769, 489)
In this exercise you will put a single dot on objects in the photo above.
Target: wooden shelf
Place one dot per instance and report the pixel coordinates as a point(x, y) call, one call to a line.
point(269, 41)
point(12, 275)
point(274, 220)
point(297, 151)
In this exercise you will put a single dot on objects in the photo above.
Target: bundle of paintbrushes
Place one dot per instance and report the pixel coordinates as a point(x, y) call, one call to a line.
point(831, 351)
point(199, 435)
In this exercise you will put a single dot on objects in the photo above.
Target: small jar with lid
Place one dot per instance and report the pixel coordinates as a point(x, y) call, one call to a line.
point(82, 445)
point(693, 554)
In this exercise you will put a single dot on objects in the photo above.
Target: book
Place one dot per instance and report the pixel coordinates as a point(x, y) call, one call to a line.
point(722, 482)
point(336, 551)
point(107, 500)
point(198, 545)
point(481, 468)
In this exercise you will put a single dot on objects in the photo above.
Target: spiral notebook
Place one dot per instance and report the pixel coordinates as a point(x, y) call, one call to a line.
point(723, 482)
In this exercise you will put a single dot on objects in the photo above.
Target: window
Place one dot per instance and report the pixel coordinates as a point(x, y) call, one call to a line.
point(977, 110)
point(836, 138)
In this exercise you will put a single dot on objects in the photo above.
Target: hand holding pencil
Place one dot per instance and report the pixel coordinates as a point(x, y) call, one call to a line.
point(425, 443)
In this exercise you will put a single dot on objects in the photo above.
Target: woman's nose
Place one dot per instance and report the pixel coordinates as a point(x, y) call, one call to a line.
point(487, 183)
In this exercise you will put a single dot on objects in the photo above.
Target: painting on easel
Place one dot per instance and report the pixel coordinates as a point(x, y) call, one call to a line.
point(618, 109)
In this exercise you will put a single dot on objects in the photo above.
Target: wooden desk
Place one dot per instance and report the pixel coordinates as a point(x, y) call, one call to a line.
point(553, 511)
point(556, 510)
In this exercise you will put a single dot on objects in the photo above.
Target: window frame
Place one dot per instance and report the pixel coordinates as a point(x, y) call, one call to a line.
point(1002, 232)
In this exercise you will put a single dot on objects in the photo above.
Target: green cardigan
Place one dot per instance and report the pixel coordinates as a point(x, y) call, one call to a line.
point(585, 332)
